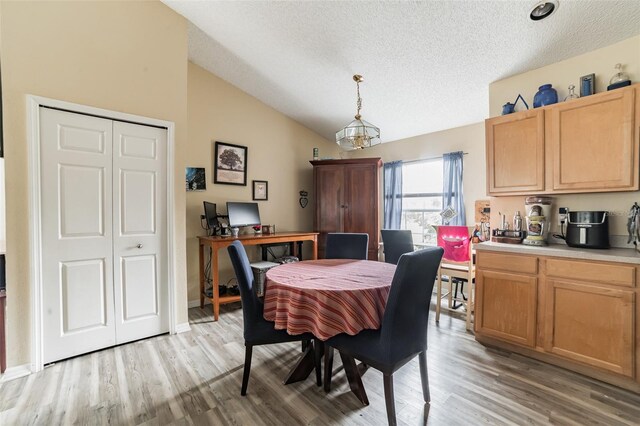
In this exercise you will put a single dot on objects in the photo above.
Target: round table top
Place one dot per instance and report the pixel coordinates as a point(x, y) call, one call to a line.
point(327, 297)
point(333, 274)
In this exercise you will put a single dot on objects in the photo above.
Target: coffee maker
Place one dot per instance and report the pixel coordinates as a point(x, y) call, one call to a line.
point(538, 215)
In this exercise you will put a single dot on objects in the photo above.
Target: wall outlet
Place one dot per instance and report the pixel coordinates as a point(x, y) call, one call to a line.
point(563, 212)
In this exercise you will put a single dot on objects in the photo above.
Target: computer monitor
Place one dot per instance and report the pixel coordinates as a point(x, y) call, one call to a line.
point(243, 214)
point(210, 215)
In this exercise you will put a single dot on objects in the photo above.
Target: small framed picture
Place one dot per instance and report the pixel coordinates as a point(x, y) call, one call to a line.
point(587, 85)
point(260, 190)
point(195, 179)
point(230, 164)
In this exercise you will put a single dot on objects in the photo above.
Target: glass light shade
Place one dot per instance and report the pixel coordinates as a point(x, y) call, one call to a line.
point(358, 134)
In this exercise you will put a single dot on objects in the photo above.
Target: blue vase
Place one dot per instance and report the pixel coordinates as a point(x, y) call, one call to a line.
point(546, 95)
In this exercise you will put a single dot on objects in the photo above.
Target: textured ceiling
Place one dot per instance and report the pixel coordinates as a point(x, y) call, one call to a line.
point(426, 65)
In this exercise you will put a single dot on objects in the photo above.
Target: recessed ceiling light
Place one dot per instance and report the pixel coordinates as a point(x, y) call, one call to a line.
point(543, 10)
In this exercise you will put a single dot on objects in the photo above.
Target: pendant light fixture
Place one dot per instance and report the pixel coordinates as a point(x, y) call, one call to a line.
point(358, 134)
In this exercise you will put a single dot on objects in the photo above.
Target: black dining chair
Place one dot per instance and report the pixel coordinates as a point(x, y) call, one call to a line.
point(396, 242)
point(346, 246)
point(257, 331)
point(403, 333)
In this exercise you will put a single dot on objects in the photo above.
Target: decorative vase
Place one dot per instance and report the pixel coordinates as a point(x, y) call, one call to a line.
point(546, 95)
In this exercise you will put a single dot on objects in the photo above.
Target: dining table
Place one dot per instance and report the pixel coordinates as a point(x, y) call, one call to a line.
point(326, 297)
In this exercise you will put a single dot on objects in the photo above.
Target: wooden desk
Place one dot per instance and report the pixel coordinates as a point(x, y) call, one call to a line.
point(217, 242)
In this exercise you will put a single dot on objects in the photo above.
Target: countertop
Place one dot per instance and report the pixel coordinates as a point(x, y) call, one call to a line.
point(621, 255)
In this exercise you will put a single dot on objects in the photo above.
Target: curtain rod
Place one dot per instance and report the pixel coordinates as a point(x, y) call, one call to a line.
point(427, 159)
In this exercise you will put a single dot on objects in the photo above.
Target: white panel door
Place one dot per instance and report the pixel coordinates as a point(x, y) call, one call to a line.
point(77, 249)
point(139, 228)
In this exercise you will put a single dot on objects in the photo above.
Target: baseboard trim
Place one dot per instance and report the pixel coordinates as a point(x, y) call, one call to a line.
point(196, 303)
point(16, 372)
point(183, 328)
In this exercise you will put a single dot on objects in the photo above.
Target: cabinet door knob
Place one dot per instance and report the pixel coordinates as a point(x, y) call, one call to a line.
point(139, 246)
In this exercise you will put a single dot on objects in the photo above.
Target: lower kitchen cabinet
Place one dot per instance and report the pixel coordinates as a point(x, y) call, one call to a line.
point(591, 324)
point(506, 306)
point(579, 314)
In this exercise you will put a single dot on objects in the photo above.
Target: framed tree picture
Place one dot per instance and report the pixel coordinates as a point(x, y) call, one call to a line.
point(230, 164)
point(260, 190)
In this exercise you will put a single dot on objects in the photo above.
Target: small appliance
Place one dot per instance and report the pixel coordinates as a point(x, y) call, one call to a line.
point(588, 229)
point(538, 212)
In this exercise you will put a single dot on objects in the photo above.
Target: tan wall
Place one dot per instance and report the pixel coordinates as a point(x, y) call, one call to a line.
point(561, 74)
point(469, 139)
point(129, 57)
point(279, 150)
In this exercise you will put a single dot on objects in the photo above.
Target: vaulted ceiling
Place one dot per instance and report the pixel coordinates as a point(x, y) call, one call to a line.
point(426, 65)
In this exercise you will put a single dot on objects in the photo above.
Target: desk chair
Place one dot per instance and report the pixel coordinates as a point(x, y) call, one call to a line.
point(396, 242)
point(403, 333)
point(257, 331)
point(346, 246)
point(457, 263)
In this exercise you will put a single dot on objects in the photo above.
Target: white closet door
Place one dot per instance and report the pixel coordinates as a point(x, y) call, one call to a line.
point(77, 249)
point(139, 224)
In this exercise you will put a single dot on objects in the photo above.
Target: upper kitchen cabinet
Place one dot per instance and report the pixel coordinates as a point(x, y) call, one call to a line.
point(591, 144)
point(515, 153)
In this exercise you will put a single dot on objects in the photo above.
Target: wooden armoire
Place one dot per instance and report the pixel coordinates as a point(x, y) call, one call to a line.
point(347, 199)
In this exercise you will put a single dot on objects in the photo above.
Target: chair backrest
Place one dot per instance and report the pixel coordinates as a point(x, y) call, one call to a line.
point(396, 242)
point(456, 242)
point(346, 246)
point(404, 325)
point(251, 305)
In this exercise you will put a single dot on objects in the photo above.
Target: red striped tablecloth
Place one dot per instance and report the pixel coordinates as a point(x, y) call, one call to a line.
point(327, 297)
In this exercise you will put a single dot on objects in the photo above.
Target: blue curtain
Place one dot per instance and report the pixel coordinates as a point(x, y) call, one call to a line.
point(393, 195)
point(452, 195)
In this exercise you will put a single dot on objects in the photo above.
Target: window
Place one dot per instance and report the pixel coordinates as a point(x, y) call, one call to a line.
point(422, 199)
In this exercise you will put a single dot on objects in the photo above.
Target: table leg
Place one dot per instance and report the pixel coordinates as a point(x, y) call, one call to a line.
point(315, 248)
point(303, 367)
point(353, 375)
point(299, 253)
point(216, 283)
point(202, 278)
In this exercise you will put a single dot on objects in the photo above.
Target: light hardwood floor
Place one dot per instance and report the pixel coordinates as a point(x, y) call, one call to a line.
point(194, 378)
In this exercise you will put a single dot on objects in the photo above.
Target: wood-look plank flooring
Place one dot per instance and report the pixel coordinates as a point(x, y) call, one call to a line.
point(194, 378)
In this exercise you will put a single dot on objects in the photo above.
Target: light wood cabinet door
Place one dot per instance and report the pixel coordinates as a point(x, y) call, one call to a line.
point(591, 324)
point(506, 306)
point(515, 153)
point(593, 143)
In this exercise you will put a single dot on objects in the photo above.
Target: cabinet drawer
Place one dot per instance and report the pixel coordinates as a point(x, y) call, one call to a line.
point(507, 262)
point(622, 275)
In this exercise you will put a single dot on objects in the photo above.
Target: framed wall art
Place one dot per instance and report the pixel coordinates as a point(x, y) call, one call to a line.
point(260, 190)
point(230, 164)
point(195, 179)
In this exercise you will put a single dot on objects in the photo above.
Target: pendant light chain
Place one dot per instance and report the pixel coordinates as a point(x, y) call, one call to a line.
point(359, 100)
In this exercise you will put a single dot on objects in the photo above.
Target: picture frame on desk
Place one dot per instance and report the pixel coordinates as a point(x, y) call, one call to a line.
point(230, 164)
